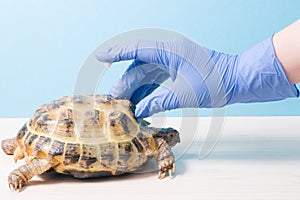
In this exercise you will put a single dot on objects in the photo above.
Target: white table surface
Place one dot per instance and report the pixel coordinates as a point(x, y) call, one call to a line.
point(256, 158)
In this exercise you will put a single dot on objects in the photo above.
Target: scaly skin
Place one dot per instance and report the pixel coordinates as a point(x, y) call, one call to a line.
point(165, 159)
point(23, 174)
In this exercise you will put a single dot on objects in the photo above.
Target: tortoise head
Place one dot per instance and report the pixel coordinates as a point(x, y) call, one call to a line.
point(170, 135)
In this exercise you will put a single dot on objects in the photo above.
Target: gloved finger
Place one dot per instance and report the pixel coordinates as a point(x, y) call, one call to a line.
point(137, 75)
point(187, 91)
point(142, 92)
point(147, 51)
point(168, 54)
point(148, 85)
point(158, 101)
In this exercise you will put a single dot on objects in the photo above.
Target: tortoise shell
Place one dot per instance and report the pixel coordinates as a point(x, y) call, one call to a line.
point(88, 136)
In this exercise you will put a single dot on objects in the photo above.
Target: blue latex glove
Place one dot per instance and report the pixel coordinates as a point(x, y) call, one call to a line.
point(200, 77)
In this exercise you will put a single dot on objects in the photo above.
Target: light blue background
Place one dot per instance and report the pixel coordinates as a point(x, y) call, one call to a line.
point(44, 43)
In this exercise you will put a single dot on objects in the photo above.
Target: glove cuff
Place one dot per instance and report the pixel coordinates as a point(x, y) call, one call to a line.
point(260, 76)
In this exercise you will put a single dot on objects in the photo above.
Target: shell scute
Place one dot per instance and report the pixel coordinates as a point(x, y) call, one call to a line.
point(57, 148)
point(88, 135)
point(72, 153)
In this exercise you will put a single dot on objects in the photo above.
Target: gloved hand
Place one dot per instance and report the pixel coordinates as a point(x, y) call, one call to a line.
point(200, 77)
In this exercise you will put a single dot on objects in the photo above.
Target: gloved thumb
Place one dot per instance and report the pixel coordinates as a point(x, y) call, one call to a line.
point(159, 100)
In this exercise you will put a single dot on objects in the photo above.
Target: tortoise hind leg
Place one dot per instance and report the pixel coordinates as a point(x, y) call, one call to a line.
point(165, 159)
point(23, 174)
point(9, 146)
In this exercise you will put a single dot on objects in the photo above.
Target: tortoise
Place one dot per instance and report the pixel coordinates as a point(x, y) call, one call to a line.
point(103, 140)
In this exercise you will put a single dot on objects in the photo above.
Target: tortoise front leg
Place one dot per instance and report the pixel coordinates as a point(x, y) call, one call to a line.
point(23, 174)
point(165, 159)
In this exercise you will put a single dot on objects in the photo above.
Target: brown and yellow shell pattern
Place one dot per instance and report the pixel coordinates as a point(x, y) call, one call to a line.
point(110, 141)
point(88, 136)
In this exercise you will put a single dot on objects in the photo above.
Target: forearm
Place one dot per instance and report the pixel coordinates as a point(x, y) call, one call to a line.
point(287, 48)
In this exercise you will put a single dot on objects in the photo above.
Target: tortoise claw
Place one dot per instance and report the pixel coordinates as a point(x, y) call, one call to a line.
point(161, 174)
point(15, 182)
point(11, 187)
point(174, 167)
point(171, 173)
point(163, 169)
